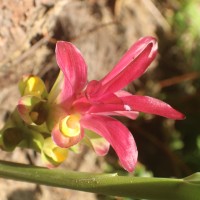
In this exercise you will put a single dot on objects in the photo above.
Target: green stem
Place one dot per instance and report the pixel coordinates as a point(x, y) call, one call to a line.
point(108, 184)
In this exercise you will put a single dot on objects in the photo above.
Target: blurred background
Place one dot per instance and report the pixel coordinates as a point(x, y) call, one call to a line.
point(103, 30)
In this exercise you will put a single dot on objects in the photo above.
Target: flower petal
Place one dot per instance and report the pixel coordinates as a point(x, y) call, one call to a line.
point(129, 114)
point(63, 141)
point(145, 44)
point(112, 104)
point(132, 65)
point(73, 66)
point(151, 105)
point(99, 144)
point(117, 135)
point(101, 108)
point(106, 103)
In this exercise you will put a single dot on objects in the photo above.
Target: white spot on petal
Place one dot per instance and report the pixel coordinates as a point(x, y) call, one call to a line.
point(127, 108)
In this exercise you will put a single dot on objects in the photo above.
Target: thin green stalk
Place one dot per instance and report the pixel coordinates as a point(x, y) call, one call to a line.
point(108, 184)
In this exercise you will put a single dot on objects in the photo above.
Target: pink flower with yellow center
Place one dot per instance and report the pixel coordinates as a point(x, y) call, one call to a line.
point(77, 105)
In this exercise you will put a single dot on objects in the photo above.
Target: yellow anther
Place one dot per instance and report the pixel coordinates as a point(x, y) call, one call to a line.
point(70, 126)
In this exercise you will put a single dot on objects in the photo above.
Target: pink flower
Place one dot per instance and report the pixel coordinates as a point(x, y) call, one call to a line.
point(78, 105)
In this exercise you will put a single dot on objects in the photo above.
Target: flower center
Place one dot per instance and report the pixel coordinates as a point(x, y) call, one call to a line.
point(70, 125)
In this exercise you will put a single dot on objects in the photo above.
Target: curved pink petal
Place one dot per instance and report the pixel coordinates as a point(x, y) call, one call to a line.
point(100, 145)
point(119, 109)
point(129, 114)
point(132, 65)
point(93, 87)
point(111, 104)
point(117, 135)
point(132, 71)
point(122, 93)
point(152, 106)
point(73, 66)
point(145, 44)
point(101, 108)
point(106, 103)
point(65, 142)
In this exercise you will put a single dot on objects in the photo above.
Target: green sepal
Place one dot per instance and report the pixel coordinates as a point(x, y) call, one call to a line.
point(56, 89)
point(32, 140)
point(10, 138)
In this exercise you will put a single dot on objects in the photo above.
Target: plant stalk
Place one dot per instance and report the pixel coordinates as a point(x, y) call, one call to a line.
point(108, 184)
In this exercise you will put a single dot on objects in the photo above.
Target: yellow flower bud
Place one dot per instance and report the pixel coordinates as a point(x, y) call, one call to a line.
point(53, 153)
point(32, 85)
